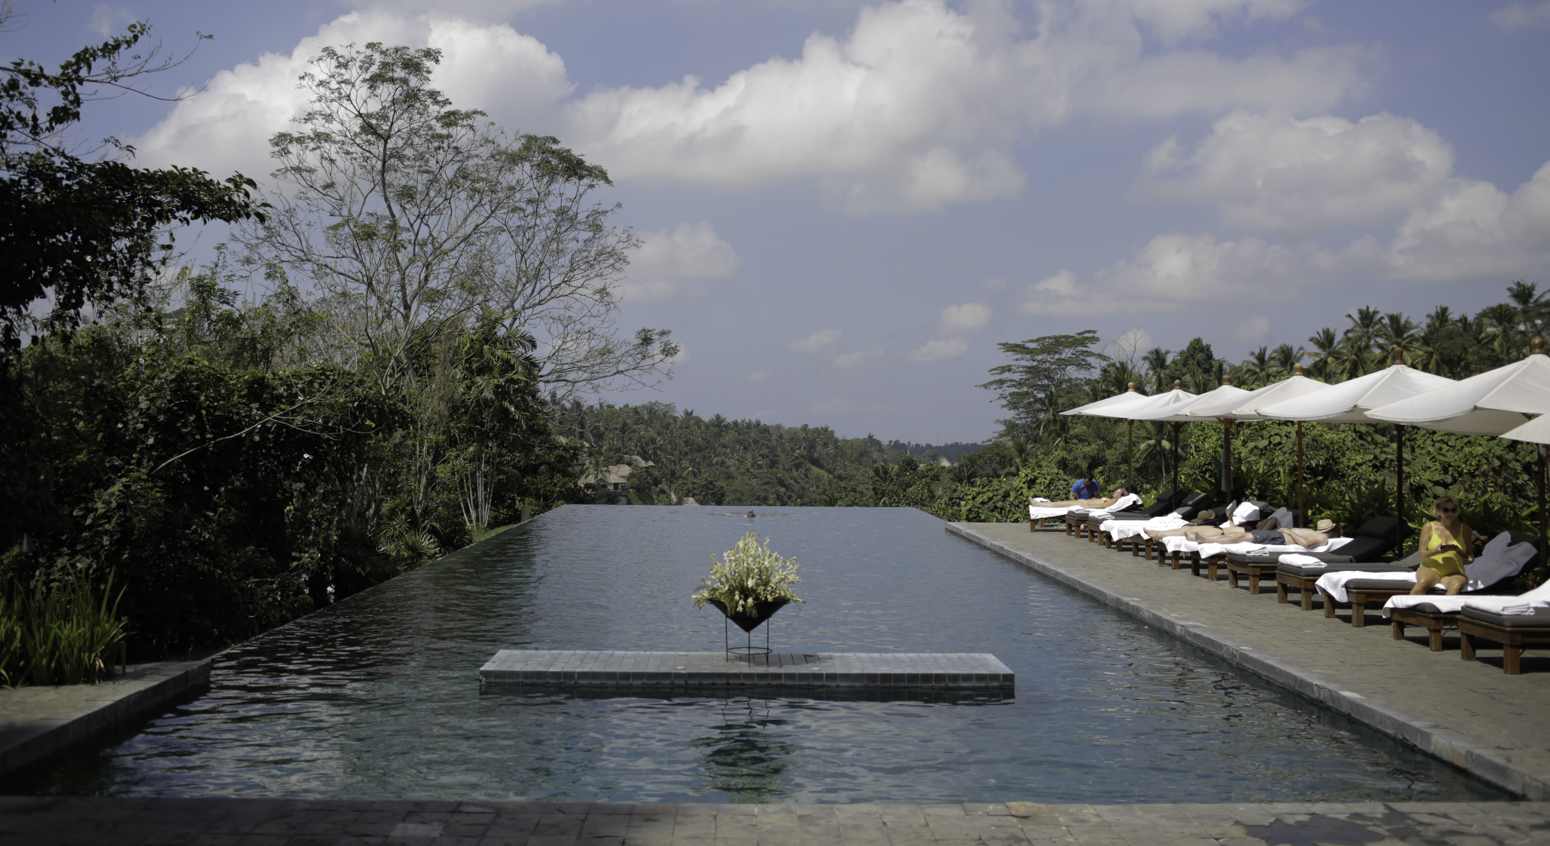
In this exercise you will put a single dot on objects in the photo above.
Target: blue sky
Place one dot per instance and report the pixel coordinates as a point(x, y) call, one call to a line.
point(846, 205)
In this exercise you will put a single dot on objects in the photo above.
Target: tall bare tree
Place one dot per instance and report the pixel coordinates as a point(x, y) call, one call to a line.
point(409, 217)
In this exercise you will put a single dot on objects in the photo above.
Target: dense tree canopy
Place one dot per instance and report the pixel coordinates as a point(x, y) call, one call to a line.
point(78, 231)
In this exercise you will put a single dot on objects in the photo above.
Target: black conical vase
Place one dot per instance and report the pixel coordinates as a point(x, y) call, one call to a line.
point(762, 611)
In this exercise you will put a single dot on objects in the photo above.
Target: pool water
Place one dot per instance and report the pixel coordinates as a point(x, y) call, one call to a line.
point(378, 696)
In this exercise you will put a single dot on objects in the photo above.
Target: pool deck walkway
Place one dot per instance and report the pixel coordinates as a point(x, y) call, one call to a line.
point(1469, 713)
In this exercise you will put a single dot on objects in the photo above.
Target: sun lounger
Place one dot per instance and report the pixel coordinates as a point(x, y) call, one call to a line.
point(1375, 539)
point(1178, 547)
point(1437, 613)
point(1512, 631)
point(1213, 555)
point(1189, 509)
point(1491, 573)
point(1095, 520)
point(1076, 518)
point(1304, 577)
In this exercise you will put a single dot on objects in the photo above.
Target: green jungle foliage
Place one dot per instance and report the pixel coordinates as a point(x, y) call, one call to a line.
point(232, 486)
point(717, 461)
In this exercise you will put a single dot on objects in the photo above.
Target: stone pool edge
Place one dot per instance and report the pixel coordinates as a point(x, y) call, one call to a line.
point(1447, 746)
point(37, 722)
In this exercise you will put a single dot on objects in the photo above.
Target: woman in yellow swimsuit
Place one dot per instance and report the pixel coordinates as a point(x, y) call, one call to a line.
point(1445, 545)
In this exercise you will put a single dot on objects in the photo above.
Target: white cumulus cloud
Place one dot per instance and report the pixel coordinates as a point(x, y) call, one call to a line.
point(940, 350)
point(1521, 15)
point(1473, 231)
point(1252, 331)
point(964, 318)
point(920, 106)
point(816, 342)
point(667, 262)
point(227, 126)
point(869, 358)
point(1272, 173)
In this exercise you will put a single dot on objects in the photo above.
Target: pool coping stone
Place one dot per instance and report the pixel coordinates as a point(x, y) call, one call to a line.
point(36, 722)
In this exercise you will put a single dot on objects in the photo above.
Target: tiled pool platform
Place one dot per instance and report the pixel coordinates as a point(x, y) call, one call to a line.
point(949, 671)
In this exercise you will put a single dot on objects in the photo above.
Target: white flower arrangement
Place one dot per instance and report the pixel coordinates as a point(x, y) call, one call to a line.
point(749, 573)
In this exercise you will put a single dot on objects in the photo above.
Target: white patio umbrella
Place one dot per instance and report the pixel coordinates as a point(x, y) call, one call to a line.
point(1095, 409)
point(1491, 403)
point(1182, 413)
point(1292, 387)
point(1128, 410)
point(1349, 401)
point(1536, 431)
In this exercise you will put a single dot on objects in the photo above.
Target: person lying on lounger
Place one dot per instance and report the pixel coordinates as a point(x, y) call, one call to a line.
point(1212, 534)
point(1098, 503)
point(1445, 544)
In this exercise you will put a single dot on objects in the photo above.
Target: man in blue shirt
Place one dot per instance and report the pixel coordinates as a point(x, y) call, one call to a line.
point(1085, 487)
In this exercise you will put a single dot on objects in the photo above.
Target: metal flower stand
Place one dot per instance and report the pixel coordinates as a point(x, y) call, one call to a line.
point(763, 611)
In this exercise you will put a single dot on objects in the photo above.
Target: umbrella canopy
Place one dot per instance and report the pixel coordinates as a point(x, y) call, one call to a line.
point(1091, 409)
point(1349, 401)
point(1223, 394)
point(1536, 431)
point(1488, 404)
point(1247, 408)
point(1138, 404)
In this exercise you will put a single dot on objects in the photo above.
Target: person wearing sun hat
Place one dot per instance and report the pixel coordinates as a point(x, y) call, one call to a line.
point(1445, 548)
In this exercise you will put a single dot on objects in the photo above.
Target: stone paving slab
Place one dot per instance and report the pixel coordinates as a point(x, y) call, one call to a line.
point(278, 822)
point(792, 670)
point(37, 721)
point(1469, 713)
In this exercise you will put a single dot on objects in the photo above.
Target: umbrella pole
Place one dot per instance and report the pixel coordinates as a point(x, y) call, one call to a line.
point(1399, 493)
point(1302, 519)
point(1227, 458)
point(1130, 448)
point(1176, 493)
point(1542, 532)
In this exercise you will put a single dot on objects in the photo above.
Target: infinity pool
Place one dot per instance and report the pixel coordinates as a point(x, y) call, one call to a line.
point(378, 696)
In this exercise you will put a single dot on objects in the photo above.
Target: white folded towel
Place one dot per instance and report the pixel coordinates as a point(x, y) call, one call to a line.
point(1520, 609)
point(1302, 560)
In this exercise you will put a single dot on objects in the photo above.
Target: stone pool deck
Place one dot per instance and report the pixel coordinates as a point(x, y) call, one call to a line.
point(1469, 713)
point(277, 822)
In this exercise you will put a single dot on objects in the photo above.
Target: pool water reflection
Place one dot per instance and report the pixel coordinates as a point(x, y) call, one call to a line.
point(377, 696)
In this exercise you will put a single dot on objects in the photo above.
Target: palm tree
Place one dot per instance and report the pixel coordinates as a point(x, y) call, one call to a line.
point(1359, 338)
point(1499, 331)
point(1397, 330)
point(1532, 306)
point(1156, 363)
point(1284, 360)
point(1255, 370)
point(1325, 346)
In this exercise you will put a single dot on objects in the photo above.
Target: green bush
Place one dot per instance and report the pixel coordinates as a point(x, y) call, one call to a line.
point(59, 634)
